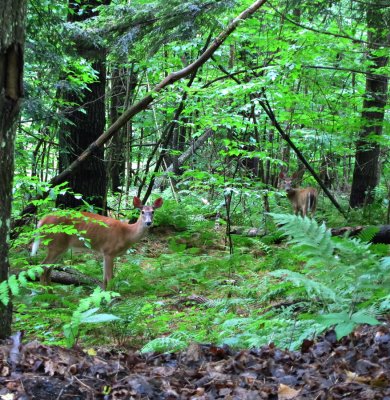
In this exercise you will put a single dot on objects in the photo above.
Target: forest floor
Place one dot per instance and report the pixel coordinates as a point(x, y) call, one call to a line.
point(356, 367)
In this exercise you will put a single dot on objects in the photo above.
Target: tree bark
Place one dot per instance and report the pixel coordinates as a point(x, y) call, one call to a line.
point(366, 171)
point(12, 17)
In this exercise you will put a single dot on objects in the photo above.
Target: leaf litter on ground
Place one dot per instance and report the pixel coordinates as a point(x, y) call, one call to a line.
point(355, 367)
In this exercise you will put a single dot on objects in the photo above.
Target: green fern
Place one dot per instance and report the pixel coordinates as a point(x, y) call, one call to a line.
point(312, 287)
point(4, 293)
point(348, 276)
point(368, 233)
point(86, 312)
point(175, 342)
point(345, 322)
point(312, 240)
point(14, 283)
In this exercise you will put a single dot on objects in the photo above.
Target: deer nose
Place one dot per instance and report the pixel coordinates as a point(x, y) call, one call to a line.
point(148, 223)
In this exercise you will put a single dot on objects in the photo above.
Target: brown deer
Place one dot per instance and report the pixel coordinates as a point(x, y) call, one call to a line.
point(104, 235)
point(303, 200)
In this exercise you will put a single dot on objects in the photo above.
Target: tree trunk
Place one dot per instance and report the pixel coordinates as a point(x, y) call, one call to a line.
point(86, 124)
point(12, 16)
point(366, 172)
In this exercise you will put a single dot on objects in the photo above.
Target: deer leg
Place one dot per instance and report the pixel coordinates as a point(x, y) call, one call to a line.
point(313, 204)
point(108, 270)
point(304, 211)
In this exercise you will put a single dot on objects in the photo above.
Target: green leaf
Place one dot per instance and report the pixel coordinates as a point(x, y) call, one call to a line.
point(344, 329)
point(97, 318)
point(364, 318)
point(333, 318)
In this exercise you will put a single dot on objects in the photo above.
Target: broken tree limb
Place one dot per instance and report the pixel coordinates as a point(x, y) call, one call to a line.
point(195, 145)
point(140, 106)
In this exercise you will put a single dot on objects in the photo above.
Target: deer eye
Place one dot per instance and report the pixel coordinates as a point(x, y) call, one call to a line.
point(142, 212)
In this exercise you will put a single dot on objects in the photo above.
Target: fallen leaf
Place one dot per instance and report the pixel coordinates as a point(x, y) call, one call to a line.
point(286, 392)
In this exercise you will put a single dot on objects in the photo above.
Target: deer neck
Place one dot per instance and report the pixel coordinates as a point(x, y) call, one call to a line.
point(137, 230)
point(292, 193)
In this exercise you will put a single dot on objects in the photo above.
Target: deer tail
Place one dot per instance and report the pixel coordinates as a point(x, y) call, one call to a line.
point(37, 242)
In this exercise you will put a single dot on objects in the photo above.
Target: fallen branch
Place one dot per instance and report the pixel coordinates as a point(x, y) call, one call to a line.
point(69, 276)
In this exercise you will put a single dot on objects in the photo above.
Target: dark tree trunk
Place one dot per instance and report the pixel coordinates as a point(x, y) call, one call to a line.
point(12, 16)
point(366, 171)
point(86, 124)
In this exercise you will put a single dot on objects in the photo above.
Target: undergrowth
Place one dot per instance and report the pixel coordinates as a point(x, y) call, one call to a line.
point(183, 285)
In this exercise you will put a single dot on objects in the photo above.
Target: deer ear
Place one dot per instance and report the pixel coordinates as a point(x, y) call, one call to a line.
point(137, 202)
point(294, 175)
point(158, 203)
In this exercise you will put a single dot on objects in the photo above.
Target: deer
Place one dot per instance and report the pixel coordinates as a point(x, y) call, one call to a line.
point(303, 200)
point(107, 236)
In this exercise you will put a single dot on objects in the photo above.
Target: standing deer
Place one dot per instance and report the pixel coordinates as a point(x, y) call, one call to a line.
point(104, 235)
point(303, 200)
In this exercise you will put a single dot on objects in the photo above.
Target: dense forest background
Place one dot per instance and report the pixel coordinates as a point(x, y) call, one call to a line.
point(186, 101)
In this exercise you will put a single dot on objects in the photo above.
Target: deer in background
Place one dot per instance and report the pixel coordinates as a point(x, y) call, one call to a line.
point(104, 235)
point(303, 200)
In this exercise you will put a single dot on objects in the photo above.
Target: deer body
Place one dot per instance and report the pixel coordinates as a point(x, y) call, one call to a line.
point(303, 200)
point(105, 235)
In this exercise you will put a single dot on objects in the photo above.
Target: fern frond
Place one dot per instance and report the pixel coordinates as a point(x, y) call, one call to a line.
point(13, 284)
point(164, 345)
point(313, 240)
point(228, 303)
point(23, 279)
point(33, 272)
point(385, 264)
point(368, 233)
point(313, 288)
point(4, 293)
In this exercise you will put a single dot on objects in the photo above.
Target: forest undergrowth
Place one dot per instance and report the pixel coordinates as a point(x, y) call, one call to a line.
point(183, 284)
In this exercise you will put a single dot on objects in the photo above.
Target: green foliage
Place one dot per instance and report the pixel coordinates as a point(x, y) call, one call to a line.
point(312, 240)
point(13, 284)
point(315, 84)
point(86, 313)
point(173, 214)
point(353, 274)
point(175, 342)
point(314, 289)
point(345, 323)
point(367, 234)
